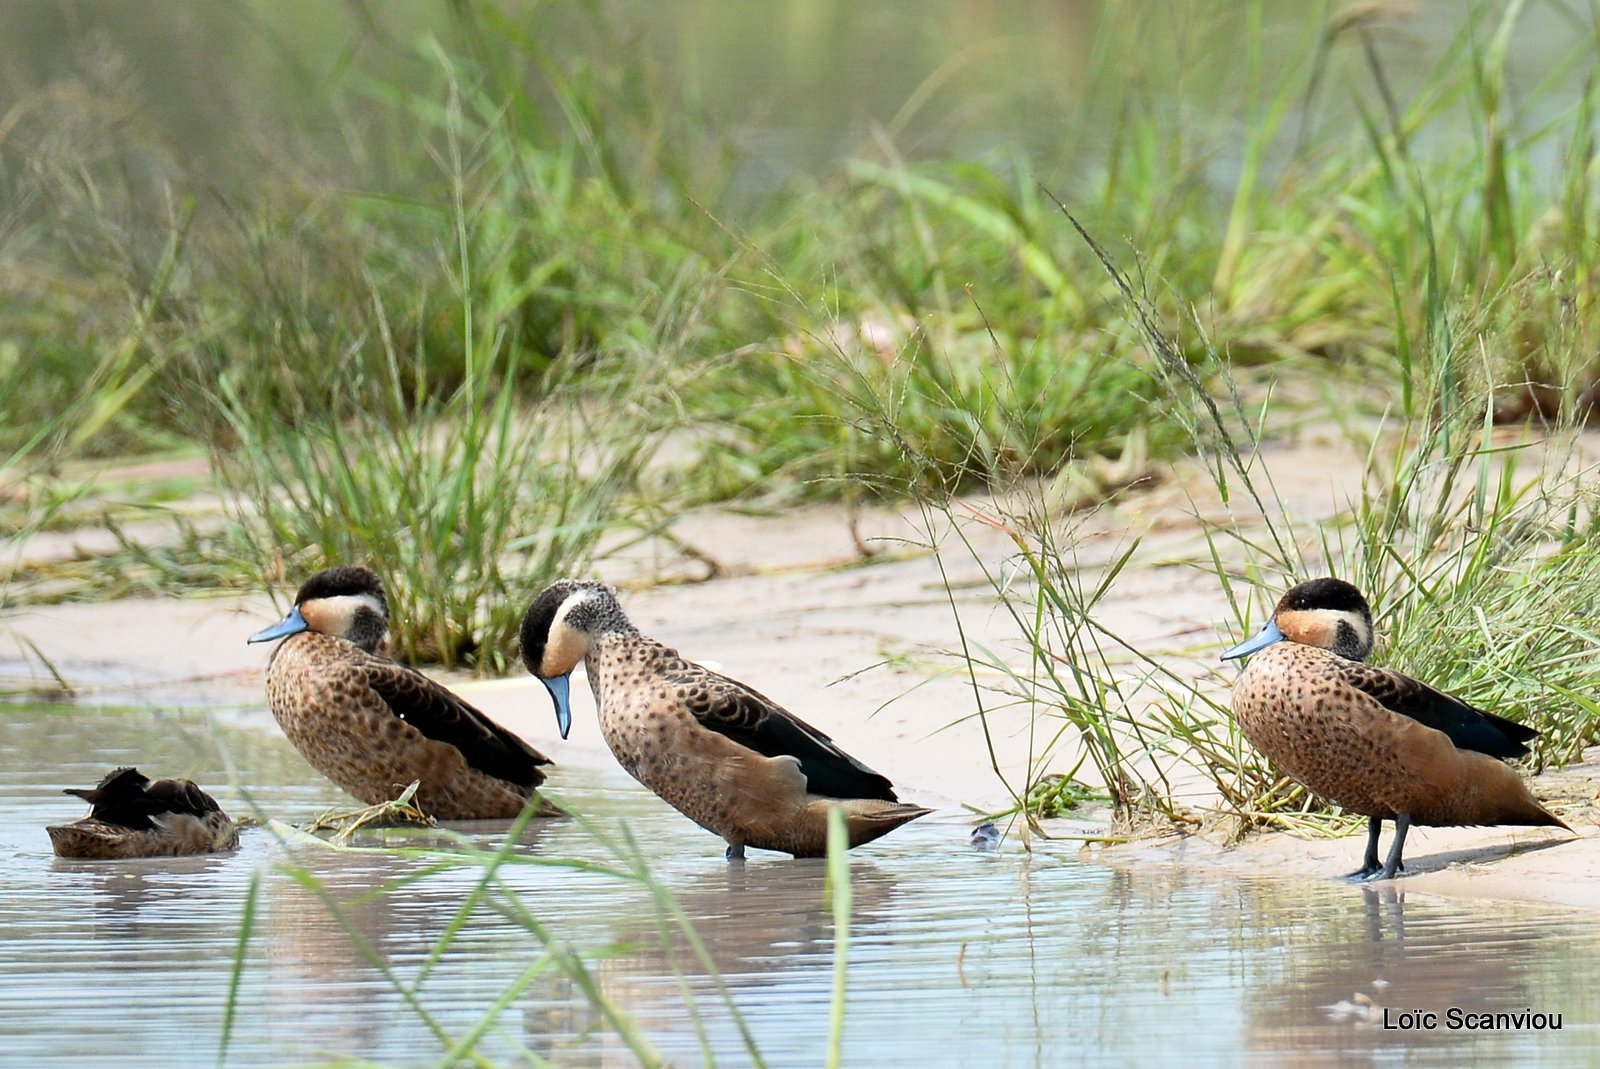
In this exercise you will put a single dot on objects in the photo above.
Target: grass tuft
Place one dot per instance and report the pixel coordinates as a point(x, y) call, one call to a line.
point(1477, 555)
point(464, 503)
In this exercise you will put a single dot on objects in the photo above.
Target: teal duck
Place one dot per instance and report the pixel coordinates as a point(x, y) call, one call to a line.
point(728, 758)
point(373, 725)
point(1369, 739)
point(132, 815)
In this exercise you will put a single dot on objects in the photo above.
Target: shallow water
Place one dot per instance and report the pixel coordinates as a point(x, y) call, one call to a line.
point(956, 957)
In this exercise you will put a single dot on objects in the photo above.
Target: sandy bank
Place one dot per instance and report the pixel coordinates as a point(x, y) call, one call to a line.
point(862, 648)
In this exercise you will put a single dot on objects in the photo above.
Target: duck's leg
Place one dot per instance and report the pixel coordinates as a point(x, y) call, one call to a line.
point(1402, 824)
point(735, 852)
point(1369, 863)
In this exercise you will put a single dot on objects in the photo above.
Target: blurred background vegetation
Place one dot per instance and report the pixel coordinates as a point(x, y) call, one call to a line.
point(430, 284)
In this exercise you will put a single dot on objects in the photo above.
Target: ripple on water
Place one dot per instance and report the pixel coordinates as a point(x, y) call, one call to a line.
point(957, 957)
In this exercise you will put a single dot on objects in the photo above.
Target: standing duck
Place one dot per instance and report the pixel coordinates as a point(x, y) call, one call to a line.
point(135, 816)
point(1370, 739)
point(373, 725)
point(731, 760)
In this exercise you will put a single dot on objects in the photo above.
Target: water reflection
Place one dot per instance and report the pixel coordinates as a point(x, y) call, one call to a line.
point(344, 931)
point(125, 898)
point(956, 956)
point(754, 919)
point(765, 930)
point(1352, 973)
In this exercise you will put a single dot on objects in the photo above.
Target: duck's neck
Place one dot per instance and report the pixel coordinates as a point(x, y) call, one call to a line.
point(598, 617)
point(611, 637)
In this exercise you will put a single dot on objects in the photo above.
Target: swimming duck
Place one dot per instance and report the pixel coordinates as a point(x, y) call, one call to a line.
point(373, 725)
point(135, 816)
point(731, 760)
point(1370, 739)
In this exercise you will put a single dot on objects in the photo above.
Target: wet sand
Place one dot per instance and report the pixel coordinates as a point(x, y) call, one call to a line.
point(865, 650)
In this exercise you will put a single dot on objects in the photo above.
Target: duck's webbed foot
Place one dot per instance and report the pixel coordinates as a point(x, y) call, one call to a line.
point(735, 852)
point(1393, 866)
point(1402, 824)
point(1369, 863)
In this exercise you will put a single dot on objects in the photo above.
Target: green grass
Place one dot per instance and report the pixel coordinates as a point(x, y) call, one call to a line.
point(466, 503)
point(841, 896)
point(459, 375)
point(948, 328)
point(1478, 557)
point(543, 260)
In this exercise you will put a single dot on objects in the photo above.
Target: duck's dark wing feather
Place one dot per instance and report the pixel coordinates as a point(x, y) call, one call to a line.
point(129, 799)
point(752, 719)
point(443, 717)
point(181, 796)
point(1468, 728)
point(124, 782)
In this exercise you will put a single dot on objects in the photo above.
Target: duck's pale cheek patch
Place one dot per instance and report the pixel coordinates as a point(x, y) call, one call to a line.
point(562, 652)
point(1328, 629)
point(315, 614)
point(332, 616)
point(1310, 628)
point(337, 615)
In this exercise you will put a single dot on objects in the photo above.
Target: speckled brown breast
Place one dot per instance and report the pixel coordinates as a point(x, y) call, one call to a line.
point(1344, 745)
point(720, 785)
point(348, 733)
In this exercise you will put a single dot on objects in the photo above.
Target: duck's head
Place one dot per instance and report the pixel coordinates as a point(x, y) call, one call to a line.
point(1327, 613)
point(558, 631)
point(346, 602)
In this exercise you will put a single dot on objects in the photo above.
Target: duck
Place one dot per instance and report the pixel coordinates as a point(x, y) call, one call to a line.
point(373, 725)
point(1369, 739)
point(132, 815)
point(724, 755)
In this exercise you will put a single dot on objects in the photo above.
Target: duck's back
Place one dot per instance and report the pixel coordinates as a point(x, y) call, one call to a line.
point(727, 757)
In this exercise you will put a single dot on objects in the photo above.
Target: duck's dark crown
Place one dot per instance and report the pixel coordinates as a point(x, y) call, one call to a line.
point(1335, 595)
point(343, 581)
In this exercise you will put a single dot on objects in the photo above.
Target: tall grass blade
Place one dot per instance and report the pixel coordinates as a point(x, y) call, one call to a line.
point(241, 950)
point(839, 891)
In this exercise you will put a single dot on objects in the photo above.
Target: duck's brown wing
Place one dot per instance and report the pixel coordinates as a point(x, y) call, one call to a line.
point(129, 799)
point(1467, 727)
point(443, 717)
point(181, 796)
point(755, 721)
point(123, 782)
